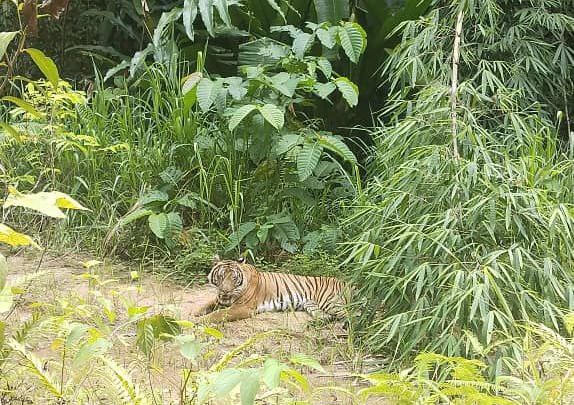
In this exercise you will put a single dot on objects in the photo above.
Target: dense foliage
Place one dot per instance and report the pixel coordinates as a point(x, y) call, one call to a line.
point(423, 150)
point(477, 239)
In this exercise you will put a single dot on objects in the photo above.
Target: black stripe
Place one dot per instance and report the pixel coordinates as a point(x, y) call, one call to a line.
point(324, 292)
point(297, 282)
point(287, 287)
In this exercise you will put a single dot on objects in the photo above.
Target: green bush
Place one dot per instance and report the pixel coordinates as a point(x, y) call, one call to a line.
point(472, 243)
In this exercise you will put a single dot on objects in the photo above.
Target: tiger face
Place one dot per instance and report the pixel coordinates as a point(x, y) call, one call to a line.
point(229, 278)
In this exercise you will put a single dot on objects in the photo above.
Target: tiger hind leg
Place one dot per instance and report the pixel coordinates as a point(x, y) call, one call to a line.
point(320, 314)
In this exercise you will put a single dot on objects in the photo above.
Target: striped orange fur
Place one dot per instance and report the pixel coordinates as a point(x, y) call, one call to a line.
point(243, 292)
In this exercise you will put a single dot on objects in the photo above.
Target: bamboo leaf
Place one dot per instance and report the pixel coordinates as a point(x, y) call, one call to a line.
point(223, 11)
point(26, 106)
point(165, 20)
point(206, 11)
point(189, 16)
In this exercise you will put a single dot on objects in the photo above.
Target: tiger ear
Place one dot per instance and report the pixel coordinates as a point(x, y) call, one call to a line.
point(216, 259)
point(241, 260)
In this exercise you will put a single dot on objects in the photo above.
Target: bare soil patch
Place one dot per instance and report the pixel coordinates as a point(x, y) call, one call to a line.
point(66, 278)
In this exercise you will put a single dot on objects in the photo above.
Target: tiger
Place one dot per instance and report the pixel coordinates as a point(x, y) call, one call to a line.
point(242, 292)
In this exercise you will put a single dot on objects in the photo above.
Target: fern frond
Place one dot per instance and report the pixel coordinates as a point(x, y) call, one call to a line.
point(122, 381)
point(221, 364)
point(34, 365)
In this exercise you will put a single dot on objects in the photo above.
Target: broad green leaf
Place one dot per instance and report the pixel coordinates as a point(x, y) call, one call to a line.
point(145, 337)
point(272, 373)
point(207, 92)
point(352, 40)
point(297, 377)
point(163, 325)
point(189, 15)
point(239, 115)
point(13, 238)
point(349, 90)
point(243, 230)
point(124, 64)
point(5, 39)
point(90, 350)
point(134, 216)
point(307, 160)
point(212, 332)
point(191, 199)
point(158, 224)
point(77, 331)
point(273, 115)
point(302, 43)
point(226, 381)
point(288, 231)
point(206, 11)
point(326, 37)
point(285, 83)
point(135, 312)
point(325, 66)
point(174, 228)
point(47, 203)
point(153, 196)
point(189, 347)
point(26, 106)
point(46, 65)
point(304, 360)
point(236, 88)
point(171, 175)
point(249, 387)
point(334, 144)
point(263, 51)
point(331, 10)
point(323, 90)
point(190, 82)
point(286, 143)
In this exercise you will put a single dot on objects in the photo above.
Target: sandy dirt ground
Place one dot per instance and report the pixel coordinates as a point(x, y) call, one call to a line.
point(66, 278)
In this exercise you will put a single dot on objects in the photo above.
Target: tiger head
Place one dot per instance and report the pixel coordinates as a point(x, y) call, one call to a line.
point(231, 279)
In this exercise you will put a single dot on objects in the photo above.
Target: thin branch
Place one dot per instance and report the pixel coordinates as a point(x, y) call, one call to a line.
point(454, 87)
point(569, 134)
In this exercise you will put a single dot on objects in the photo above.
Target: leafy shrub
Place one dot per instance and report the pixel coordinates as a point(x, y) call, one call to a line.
point(478, 240)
